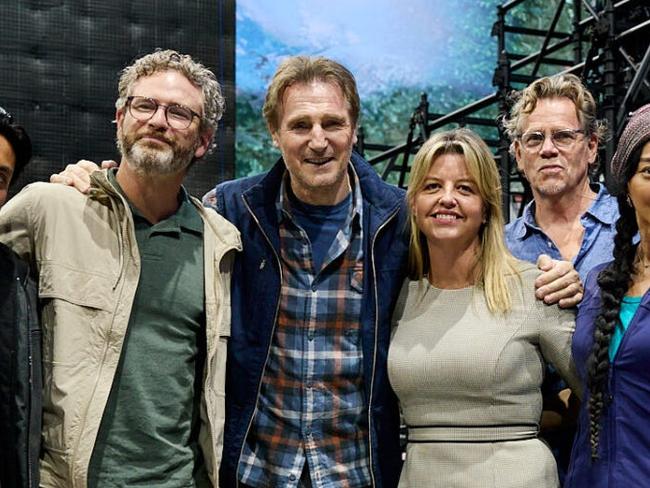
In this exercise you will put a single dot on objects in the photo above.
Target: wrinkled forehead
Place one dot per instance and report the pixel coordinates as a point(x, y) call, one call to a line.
point(317, 90)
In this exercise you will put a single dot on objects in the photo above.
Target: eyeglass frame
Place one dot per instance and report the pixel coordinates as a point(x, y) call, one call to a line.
point(129, 99)
point(553, 132)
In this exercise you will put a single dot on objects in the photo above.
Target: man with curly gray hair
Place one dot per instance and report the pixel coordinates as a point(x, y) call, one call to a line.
point(134, 282)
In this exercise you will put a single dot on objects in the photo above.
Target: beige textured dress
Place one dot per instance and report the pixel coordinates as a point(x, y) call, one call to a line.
point(469, 383)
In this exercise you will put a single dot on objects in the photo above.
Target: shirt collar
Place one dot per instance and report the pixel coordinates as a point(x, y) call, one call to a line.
point(186, 217)
point(283, 205)
point(604, 209)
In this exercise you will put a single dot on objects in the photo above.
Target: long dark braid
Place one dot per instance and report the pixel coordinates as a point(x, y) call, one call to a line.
point(614, 281)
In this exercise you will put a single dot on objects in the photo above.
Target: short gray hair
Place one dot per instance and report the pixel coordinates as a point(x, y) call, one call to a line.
point(195, 72)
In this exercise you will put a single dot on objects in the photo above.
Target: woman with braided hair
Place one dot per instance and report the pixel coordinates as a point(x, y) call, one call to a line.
point(611, 344)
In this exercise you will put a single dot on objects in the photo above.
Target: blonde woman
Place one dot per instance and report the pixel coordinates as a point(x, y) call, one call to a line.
point(471, 342)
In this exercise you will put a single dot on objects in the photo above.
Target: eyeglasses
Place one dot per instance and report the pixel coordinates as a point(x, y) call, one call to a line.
point(5, 117)
point(177, 116)
point(561, 138)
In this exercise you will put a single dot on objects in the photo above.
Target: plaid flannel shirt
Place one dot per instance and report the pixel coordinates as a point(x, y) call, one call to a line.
point(312, 406)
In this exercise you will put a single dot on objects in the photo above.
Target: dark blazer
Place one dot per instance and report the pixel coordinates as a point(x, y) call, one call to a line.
point(250, 204)
point(20, 374)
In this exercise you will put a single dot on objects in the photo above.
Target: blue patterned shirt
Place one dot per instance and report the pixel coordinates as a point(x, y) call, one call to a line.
point(527, 240)
point(311, 412)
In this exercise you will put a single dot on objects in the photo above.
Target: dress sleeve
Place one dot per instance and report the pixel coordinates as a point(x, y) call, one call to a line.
point(556, 333)
point(400, 306)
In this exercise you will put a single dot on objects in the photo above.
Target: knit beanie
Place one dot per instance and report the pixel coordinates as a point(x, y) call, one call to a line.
point(635, 135)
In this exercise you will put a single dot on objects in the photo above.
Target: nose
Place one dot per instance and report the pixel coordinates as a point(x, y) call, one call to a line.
point(548, 147)
point(318, 140)
point(159, 117)
point(447, 198)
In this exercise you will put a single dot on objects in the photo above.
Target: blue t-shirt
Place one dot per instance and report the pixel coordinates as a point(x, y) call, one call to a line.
point(321, 223)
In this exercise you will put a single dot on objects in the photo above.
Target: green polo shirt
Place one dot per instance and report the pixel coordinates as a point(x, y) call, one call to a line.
point(149, 431)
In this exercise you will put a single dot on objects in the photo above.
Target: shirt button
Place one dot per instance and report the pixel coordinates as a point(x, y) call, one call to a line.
point(310, 385)
point(308, 432)
point(292, 477)
point(310, 335)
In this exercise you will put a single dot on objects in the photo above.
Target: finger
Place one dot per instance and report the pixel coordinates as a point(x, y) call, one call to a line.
point(544, 262)
point(569, 295)
point(74, 175)
point(108, 164)
point(571, 302)
point(557, 270)
point(558, 284)
point(85, 165)
point(60, 178)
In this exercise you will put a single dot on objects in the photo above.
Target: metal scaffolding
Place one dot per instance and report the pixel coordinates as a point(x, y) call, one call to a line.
point(608, 46)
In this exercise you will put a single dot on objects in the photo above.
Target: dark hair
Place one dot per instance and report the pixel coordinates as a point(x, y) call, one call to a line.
point(19, 142)
point(614, 281)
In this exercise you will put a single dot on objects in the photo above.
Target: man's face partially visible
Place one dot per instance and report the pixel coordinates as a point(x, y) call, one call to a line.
point(152, 146)
point(315, 135)
point(7, 166)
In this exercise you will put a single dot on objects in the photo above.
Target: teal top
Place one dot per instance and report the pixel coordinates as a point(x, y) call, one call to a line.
point(629, 305)
point(148, 435)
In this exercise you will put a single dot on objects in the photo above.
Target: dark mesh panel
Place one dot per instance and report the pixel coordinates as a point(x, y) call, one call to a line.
point(60, 62)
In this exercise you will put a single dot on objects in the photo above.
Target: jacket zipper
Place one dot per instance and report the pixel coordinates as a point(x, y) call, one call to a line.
point(268, 350)
point(30, 360)
point(374, 358)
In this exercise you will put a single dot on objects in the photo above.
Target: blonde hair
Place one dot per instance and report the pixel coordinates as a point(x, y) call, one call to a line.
point(494, 263)
point(305, 69)
point(556, 86)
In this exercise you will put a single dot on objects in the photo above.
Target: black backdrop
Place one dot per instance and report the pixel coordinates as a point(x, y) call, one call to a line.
point(60, 62)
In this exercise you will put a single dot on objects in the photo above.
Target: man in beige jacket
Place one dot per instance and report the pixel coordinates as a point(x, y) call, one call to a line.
point(134, 295)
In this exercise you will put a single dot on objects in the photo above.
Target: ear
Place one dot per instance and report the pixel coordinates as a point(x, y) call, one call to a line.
point(205, 137)
point(592, 148)
point(119, 115)
point(354, 136)
point(275, 137)
point(517, 150)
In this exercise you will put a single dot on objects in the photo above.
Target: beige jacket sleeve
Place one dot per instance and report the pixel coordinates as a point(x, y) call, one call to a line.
point(16, 227)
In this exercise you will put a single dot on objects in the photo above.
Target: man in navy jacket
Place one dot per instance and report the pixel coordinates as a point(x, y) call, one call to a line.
point(308, 401)
point(312, 109)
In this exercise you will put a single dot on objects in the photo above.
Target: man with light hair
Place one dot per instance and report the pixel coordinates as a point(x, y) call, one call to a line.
point(134, 289)
point(555, 136)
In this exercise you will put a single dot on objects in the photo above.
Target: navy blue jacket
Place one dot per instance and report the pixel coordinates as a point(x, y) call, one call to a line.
point(624, 444)
point(250, 204)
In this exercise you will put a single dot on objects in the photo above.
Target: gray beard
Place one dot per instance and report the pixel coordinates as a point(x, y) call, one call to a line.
point(149, 161)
